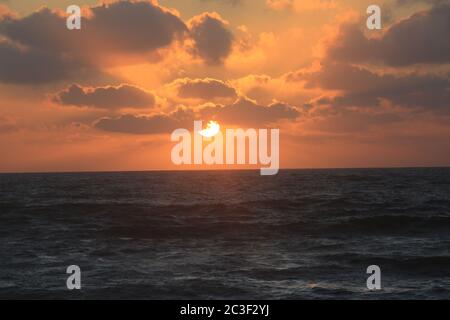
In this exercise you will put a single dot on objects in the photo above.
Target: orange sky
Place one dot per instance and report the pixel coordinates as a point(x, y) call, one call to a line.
point(106, 97)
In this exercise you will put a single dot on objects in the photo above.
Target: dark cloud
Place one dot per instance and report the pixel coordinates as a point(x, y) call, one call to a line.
point(115, 28)
point(423, 38)
point(38, 48)
point(123, 96)
point(249, 114)
point(355, 120)
point(212, 39)
point(411, 2)
point(33, 66)
point(112, 33)
point(206, 89)
point(7, 126)
point(155, 124)
point(362, 87)
point(244, 112)
point(348, 75)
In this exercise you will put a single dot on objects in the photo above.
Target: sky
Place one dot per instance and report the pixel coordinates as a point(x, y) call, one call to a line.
point(108, 96)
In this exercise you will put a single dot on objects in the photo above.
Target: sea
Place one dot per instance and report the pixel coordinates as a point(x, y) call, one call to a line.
point(302, 234)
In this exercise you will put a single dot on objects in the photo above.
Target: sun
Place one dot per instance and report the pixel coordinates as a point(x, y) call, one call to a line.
point(211, 129)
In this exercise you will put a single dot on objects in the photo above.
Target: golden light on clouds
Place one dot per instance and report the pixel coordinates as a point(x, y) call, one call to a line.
point(342, 94)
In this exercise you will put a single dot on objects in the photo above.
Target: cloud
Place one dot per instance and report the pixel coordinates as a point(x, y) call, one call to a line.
point(4, 10)
point(266, 90)
point(114, 28)
point(116, 33)
point(350, 75)
point(213, 40)
point(123, 96)
point(7, 125)
point(38, 48)
point(229, 2)
point(361, 87)
point(301, 5)
point(355, 121)
point(243, 112)
point(142, 124)
point(279, 4)
point(422, 38)
point(205, 89)
point(33, 66)
point(411, 2)
point(247, 113)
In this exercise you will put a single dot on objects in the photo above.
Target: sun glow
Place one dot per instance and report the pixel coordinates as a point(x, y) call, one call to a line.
point(211, 129)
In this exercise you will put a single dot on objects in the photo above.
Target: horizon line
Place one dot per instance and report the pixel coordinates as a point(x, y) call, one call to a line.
point(219, 169)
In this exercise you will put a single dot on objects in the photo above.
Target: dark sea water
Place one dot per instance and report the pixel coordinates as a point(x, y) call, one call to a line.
point(303, 234)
